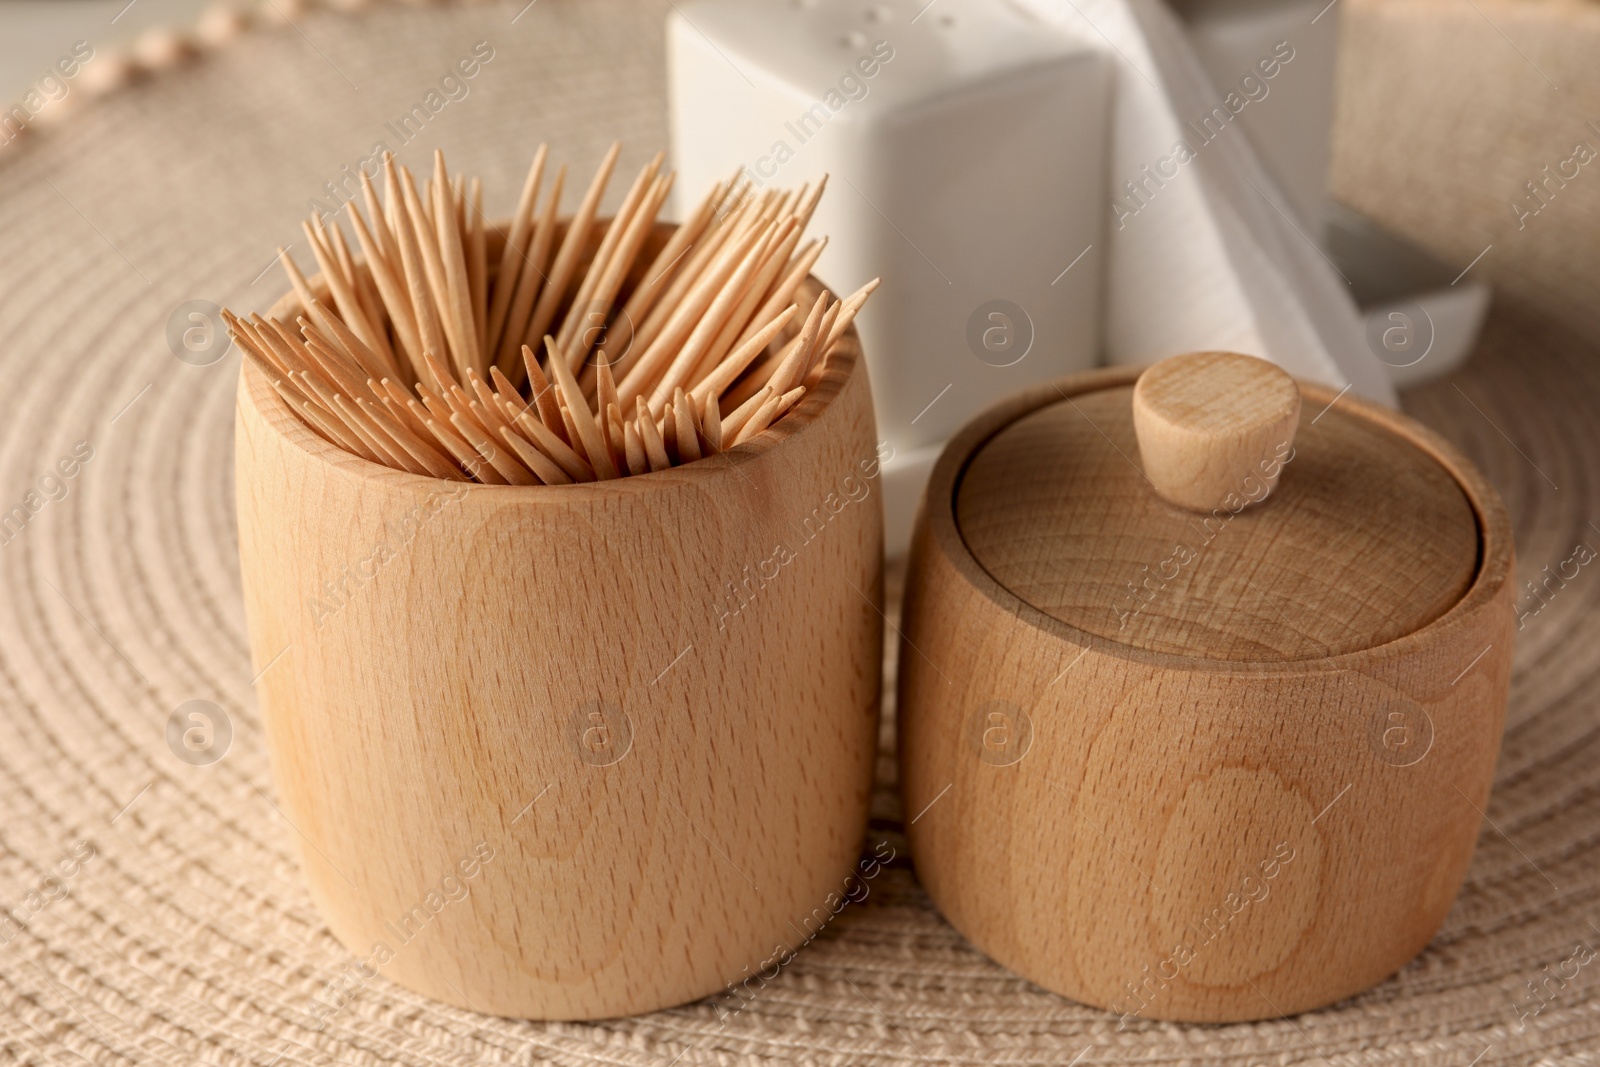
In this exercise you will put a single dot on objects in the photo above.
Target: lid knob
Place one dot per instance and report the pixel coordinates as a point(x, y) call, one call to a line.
point(1215, 428)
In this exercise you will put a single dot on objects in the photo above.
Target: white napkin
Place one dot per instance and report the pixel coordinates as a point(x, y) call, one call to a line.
point(1213, 258)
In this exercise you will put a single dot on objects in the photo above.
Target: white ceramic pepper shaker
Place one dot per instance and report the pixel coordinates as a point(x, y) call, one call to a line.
point(965, 143)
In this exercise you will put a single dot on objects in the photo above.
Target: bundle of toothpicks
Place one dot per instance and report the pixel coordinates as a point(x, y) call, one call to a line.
point(564, 361)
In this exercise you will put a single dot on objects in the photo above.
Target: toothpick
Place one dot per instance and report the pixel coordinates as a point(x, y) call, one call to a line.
point(570, 428)
point(429, 329)
point(433, 270)
point(657, 277)
point(654, 447)
point(381, 233)
point(257, 349)
point(605, 388)
point(616, 437)
point(295, 399)
point(711, 423)
point(578, 317)
point(530, 282)
point(443, 380)
point(391, 291)
point(424, 460)
point(389, 454)
point(399, 401)
point(814, 351)
point(649, 370)
point(724, 373)
point(712, 319)
point(572, 246)
point(496, 418)
point(617, 267)
point(469, 458)
point(852, 304)
point(359, 275)
point(544, 396)
point(268, 370)
point(688, 434)
point(788, 400)
point(331, 238)
point(759, 421)
point(578, 410)
point(459, 403)
point(348, 343)
point(478, 271)
point(336, 432)
point(711, 250)
point(302, 288)
point(774, 257)
point(407, 355)
point(576, 467)
point(459, 325)
point(804, 211)
point(330, 367)
point(514, 253)
point(436, 405)
point(792, 367)
point(502, 462)
point(291, 354)
point(343, 295)
point(741, 415)
point(541, 465)
point(782, 293)
point(638, 462)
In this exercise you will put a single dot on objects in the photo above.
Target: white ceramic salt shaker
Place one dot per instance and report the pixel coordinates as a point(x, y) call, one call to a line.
point(965, 143)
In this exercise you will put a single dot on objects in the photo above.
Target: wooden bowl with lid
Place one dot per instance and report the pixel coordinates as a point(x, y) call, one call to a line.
point(1202, 682)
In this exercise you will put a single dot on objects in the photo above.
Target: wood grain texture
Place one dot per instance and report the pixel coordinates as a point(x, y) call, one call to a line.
point(1183, 837)
point(1211, 424)
point(1366, 539)
point(652, 702)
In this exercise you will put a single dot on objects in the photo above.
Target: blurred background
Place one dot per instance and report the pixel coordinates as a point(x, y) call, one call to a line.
point(33, 33)
point(1444, 111)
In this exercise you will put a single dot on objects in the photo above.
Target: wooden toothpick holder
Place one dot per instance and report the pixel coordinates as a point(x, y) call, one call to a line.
point(1216, 760)
point(573, 751)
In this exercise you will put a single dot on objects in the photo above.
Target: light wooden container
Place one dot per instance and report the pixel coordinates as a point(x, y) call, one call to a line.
point(574, 751)
point(1257, 793)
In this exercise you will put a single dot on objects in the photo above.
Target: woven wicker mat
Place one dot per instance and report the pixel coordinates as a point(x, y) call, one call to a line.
point(183, 934)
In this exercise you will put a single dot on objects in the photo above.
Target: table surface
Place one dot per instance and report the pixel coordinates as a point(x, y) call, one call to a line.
point(35, 33)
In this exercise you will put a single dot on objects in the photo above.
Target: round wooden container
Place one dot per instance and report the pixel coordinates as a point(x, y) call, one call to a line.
point(573, 751)
point(1208, 765)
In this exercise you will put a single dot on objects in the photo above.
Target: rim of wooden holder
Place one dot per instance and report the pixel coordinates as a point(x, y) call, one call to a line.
point(275, 412)
point(1491, 572)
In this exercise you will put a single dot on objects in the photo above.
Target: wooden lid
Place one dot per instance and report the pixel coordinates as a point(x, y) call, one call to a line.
point(1365, 538)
